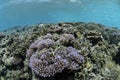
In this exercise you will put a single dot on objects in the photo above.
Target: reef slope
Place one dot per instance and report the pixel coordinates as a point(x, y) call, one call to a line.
point(24, 51)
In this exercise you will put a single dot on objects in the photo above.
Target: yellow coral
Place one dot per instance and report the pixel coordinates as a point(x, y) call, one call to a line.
point(110, 64)
point(119, 44)
point(88, 65)
point(78, 34)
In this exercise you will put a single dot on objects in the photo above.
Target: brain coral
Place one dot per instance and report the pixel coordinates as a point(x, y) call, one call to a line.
point(46, 60)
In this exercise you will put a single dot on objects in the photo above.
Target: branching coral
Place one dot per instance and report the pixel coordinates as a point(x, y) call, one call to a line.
point(46, 60)
point(40, 44)
point(46, 65)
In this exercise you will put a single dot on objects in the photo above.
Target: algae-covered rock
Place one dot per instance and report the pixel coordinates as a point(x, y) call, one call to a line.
point(8, 61)
point(98, 44)
point(2, 35)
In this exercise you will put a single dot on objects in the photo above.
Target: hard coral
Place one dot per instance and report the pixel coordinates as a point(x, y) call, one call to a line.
point(47, 65)
point(94, 37)
point(72, 56)
point(66, 39)
point(40, 44)
point(46, 61)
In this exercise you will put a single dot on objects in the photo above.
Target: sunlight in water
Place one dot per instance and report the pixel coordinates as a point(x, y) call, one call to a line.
point(28, 12)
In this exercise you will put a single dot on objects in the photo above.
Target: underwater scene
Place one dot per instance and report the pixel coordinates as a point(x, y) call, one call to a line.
point(59, 39)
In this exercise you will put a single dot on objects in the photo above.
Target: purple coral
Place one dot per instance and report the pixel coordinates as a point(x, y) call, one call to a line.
point(74, 55)
point(46, 60)
point(39, 44)
point(66, 38)
point(42, 43)
point(48, 36)
point(45, 43)
point(29, 52)
point(46, 64)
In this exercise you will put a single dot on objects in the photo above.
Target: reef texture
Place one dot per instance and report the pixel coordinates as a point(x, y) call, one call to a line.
point(63, 51)
point(46, 59)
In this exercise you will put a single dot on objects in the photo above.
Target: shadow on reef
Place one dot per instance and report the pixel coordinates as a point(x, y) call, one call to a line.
point(94, 37)
point(116, 58)
point(65, 75)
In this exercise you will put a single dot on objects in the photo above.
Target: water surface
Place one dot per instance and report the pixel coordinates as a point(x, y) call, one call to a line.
point(28, 12)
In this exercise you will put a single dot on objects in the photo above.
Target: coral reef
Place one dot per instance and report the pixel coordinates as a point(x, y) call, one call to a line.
point(63, 51)
point(47, 60)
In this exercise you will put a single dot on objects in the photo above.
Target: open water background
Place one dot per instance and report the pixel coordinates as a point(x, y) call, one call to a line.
point(29, 12)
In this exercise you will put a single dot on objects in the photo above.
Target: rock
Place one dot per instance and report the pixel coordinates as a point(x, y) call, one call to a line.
point(2, 35)
point(8, 61)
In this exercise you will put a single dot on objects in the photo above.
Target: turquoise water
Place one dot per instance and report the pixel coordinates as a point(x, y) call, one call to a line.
point(29, 12)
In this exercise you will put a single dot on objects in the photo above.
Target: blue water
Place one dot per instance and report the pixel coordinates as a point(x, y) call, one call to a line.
point(29, 12)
